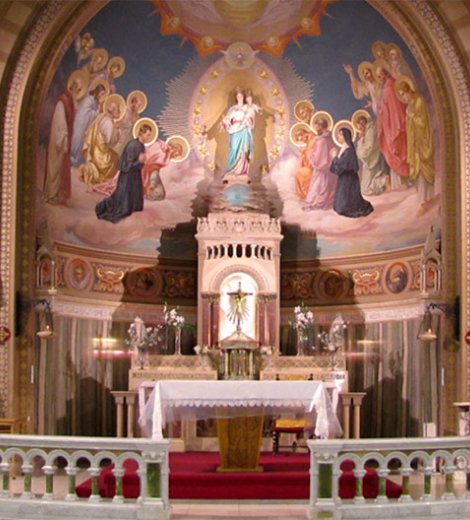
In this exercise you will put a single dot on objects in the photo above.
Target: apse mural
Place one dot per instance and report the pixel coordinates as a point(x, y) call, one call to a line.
point(314, 111)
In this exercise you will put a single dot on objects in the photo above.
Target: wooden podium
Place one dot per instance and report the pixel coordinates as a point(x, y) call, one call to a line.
point(240, 443)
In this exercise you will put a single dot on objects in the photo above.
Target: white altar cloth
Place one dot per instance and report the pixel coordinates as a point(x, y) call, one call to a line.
point(170, 400)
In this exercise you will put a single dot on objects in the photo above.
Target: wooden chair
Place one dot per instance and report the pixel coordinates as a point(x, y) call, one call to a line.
point(299, 427)
point(10, 425)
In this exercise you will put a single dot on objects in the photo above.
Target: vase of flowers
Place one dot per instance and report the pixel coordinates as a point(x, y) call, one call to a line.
point(333, 340)
point(141, 339)
point(173, 322)
point(303, 323)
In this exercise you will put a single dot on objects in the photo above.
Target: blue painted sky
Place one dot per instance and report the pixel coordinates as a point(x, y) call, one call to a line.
point(131, 29)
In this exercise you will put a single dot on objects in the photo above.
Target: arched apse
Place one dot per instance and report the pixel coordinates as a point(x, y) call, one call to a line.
point(444, 58)
point(188, 94)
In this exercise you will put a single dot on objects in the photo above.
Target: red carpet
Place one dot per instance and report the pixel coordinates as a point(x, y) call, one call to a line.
point(193, 475)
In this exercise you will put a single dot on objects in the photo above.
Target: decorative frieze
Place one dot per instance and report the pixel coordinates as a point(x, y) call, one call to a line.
point(238, 224)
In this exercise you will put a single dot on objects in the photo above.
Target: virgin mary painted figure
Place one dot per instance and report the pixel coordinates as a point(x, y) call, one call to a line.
point(237, 124)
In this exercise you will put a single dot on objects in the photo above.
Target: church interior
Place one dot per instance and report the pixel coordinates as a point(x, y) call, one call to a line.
point(221, 192)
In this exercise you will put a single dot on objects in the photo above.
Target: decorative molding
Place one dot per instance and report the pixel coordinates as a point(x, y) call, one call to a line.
point(248, 223)
point(8, 181)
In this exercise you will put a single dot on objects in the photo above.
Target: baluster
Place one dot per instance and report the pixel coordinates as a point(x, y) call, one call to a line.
point(153, 480)
point(467, 480)
point(383, 474)
point(359, 474)
point(406, 474)
point(142, 472)
point(71, 472)
point(95, 491)
point(130, 399)
point(428, 471)
point(49, 472)
point(5, 469)
point(449, 492)
point(164, 481)
point(27, 469)
point(335, 483)
point(119, 496)
point(325, 480)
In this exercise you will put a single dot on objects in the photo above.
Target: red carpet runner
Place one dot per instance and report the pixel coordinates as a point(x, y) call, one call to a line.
point(193, 475)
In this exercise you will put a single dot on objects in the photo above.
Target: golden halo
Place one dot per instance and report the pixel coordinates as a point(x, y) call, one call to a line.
point(141, 97)
point(362, 67)
point(381, 64)
point(322, 114)
point(394, 46)
point(182, 142)
point(376, 46)
point(342, 123)
point(120, 101)
point(117, 60)
point(294, 129)
point(404, 80)
point(97, 82)
point(145, 121)
point(78, 76)
point(357, 114)
point(298, 107)
point(100, 55)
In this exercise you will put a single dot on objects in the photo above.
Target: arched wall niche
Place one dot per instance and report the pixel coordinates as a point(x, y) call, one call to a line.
point(28, 81)
point(257, 275)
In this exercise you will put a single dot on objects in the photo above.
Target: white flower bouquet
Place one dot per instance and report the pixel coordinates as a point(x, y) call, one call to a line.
point(142, 337)
point(172, 318)
point(303, 318)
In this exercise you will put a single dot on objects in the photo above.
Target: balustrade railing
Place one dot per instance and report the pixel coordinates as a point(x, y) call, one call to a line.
point(402, 478)
point(40, 476)
point(388, 478)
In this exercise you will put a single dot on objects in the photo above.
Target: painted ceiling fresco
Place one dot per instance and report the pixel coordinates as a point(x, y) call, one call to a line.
point(157, 103)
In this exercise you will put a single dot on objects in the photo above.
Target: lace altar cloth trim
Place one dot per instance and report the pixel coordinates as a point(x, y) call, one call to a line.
point(171, 400)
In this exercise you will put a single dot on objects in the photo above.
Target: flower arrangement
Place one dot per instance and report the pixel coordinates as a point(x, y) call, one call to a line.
point(333, 340)
point(172, 318)
point(266, 350)
point(141, 338)
point(303, 318)
point(214, 355)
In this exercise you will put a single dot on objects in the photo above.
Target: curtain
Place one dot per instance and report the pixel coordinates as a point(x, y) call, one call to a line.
point(399, 374)
point(75, 384)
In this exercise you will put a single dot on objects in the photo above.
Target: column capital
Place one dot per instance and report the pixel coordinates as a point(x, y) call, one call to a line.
point(211, 297)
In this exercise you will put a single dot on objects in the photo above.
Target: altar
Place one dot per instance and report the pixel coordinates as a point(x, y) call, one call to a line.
point(176, 400)
point(239, 375)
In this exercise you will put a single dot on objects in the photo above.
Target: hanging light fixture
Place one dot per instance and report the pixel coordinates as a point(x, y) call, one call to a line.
point(426, 332)
point(46, 330)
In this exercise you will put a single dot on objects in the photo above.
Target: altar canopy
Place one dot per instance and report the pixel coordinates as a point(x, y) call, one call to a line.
point(173, 400)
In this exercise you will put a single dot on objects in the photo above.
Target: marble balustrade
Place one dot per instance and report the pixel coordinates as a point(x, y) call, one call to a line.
point(42, 460)
point(434, 475)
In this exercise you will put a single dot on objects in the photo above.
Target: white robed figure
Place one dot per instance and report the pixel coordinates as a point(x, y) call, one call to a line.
point(238, 124)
